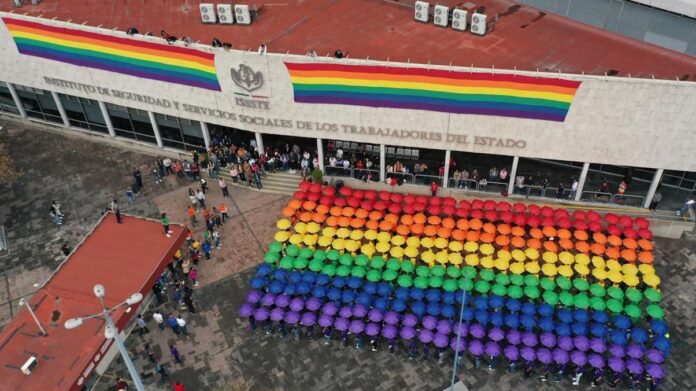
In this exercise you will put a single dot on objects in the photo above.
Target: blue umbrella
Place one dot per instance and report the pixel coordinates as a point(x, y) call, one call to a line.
point(334, 294)
point(364, 299)
point(448, 297)
point(481, 303)
point(433, 309)
point(448, 311)
point(639, 335)
point(545, 310)
point(579, 328)
point(433, 295)
point(417, 294)
point(309, 277)
point(546, 323)
point(581, 315)
point(598, 329)
point(528, 321)
point(276, 287)
point(658, 326)
point(529, 308)
point(481, 316)
point(280, 274)
point(370, 288)
point(303, 288)
point(513, 305)
point(398, 305)
point(662, 344)
point(319, 291)
point(565, 315)
point(496, 319)
point(354, 282)
point(600, 316)
point(295, 277)
point(323, 279)
point(619, 337)
point(384, 289)
point(338, 282)
point(621, 321)
point(496, 302)
point(512, 320)
point(400, 293)
point(381, 303)
point(258, 282)
point(418, 308)
point(348, 296)
point(468, 314)
point(563, 329)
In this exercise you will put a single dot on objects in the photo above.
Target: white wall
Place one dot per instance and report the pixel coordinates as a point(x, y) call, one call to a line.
point(634, 122)
point(683, 7)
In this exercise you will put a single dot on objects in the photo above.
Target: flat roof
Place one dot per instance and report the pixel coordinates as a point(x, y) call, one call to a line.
point(125, 258)
point(523, 38)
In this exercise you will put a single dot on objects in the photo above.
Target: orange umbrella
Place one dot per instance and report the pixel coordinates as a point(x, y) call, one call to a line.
point(550, 246)
point(489, 228)
point(318, 217)
point(448, 223)
point(361, 213)
point(599, 237)
point(444, 232)
point(517, 231)
point(309, 205)
point(646, 257)
point(386, 225)
point(566, 244)
point(502, 240)
point(406, 219)
point(503, 229)
point(614, 240)
point(581, 235)
point(403, 230)
point(419, 218)
point(517, 242)
point(564, 234)
point(472, 236)
point(332, 221)
point(463, 224)
point(416, 229)
point(536, 233)
point(458, 235)
point(630, 243)
point(629, 255)
point(550, 232)
point(612, 252)
point(288, 212)
point(344, 221)
point(357, 223)
point(475, 224)
point(434, 220)
point(295, 204)
point(336, 211)
point(323, 209)
point(372, 224)
point(582, 247)
point(430, 230)
point(375, 215)
point(533, 243)
point(487, 237)
point(645, 244)
point(392, 218)
point(306, 217)
point(597, 248)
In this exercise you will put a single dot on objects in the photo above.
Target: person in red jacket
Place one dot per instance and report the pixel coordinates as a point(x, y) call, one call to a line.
point(433, 188)
point(178, 386)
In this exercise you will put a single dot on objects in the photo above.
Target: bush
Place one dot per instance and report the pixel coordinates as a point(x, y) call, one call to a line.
point(317, 175)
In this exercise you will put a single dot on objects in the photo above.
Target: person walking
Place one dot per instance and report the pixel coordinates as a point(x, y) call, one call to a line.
point(167, 163)
point(175, 353)
point(171, 322)
point(657, 197)
point(433, 188)
point(121, 384)
point(142, 325)
point(165, 224)
point(191, 212)
point(116, 210)
point(56, 213)
point(130, 195)
point(162, 371)
point(189, 304)
point(150, 353)
point(138, 176)
point(223, 187)
point(193, 275)
point(182, 325)
point(159, 319)
point(200, 196)
point(204, 185)
point(560, 191)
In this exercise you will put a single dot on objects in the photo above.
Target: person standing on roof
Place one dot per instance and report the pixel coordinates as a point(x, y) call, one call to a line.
point(165, 224)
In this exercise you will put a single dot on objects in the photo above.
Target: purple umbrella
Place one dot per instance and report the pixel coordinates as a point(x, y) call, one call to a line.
point(544, 355)
point(440, 340)
point(357, 326)
point(429, 322)
point(616, 364)
point(297, 304)
point(345, 312)
point(496, 334)
point(458, 346)
point(596, 360)
point(391, 317)
point(634, 366)
point(492, 349)
point(477, 331)
point(330, 308)
point(654, 355)
point(359, 311)
point(560, 356)
point(513, 336)
point(261, 314)
point(268, 299)
point(247, 309)
point(372, 329)
point(598, 345)
point(617, 350)
point(548, 339)
point(277, 314)
point(292, 317)
point(655, 371)
point(565, 342)
point(308, 319)
point(529, 339)
point(409, 320)
point(462, 329)
point(407, 333)
point(282, 301)
point(325, 320)
point(634, 351)
point(389, 331)
point(528, 353)
point(511, 353)
point(476, 347)
point(425, 336)
point(254, 296)
point(578, 357)
point(374, 315)
point(444, 327)
point(341, 324)
point(313, 304)
point(581, 343)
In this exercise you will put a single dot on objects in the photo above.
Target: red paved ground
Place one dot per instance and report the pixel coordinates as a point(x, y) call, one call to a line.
point(125, 258)
point(522, 38)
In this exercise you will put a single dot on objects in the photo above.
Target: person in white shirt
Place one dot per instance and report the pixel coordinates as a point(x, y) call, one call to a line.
point(262, 49)
point(167, 163)
point(346, 163)
point(332, 161)
point(159, 319)
point(573, 188)
point(339, 154)
point(182, 325)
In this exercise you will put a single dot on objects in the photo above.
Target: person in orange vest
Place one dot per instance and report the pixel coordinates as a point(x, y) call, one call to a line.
point(192, 215)
point(223, 212)
point(433, 188)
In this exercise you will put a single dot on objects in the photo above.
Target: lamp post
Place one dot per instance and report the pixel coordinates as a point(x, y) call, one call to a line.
point(23, 301)
point(110, 331)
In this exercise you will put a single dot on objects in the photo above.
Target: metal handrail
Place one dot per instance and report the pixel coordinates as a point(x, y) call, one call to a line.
point(469, 184)
point(597, 194)
point(618, 197)
point(341, 171)
point(427, 181)
point(408, 178)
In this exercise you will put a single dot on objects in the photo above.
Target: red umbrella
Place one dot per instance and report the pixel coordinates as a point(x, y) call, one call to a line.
point(396, 197)
point(491, 215)
point(507, 216)
point(328, 191)
point(564, 223)
point(630, 233)
point(300, 195)
point(490, 205)
point(346, 191)
point(534, 210)
point(434, 210)
point(384, 195)
point(579, 215)
point(359, 194)
point(580, 225)
point(504, 206)
point(313, 196)
point(591, 215)
point(340, 202)
point(644, 233)
point(642, 222)
point(370, 195)
point(380, 205)
point(353, 202)
point(449, 201)
point(462, 212)
point(409, 209)
point(476, 204)
point(476, 214)
point(315, 188)
point(434, 200)
point(305, 186)
point(533, 221)
point(448, 210)
point(326, 200)
point(548, 222)
point(520, 220)
point(410, 199)
point(611, 218)
point(419, 206)
point(367, 205)
point(421, 199)
point(465, 204)
point(560, 213)
point(547, 211)
point(595, 226)
point(626, 221)
point(614, 230)
point(519, 207)
point(394, 208)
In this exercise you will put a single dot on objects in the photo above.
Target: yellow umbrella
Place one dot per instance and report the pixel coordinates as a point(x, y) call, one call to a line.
point(456, 246)
point(310, 240)
point(487, 249)
point(352, 245)
point(613, 264)
point(413, 241)
point(283, 224)
point(300, 228)
point(583, 270)
point(281, 236)
point(383, 237)
point(615, 276)
point(427, 242)
point(532, 253)
point(631, 280)
point(441, 257)
point(651, 280)
point(565, 271)
point(646, 269)
point(550, 257)
point(428, 257)
point(398, 240)
point(532, 267)
point(455, 259)
point(325, 241)
point(368, 249)
point(471, 259)
point(383, 247)
point(411, 252)
point(517, 267)
point(549, 269)
point(502, 264)
point(356, 234)
point(518, 255)
point(599, 273)
point(471, 247)
point(295, 238)
point(504, 254)
point(566, 258)
point(582, 259)
point(343, 233)
point(397, 252)
point(328, 231)
point(370, 234)
point(338, 244)
point(441, 243)
point(598, 261)
point(487, 262)
point(629, 268)
point(313, 227)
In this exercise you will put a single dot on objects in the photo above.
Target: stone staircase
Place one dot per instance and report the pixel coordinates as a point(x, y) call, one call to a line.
point(277, 182)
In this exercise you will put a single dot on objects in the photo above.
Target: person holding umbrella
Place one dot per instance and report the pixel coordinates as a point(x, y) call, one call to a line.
point(392, 345)
point(327, 335)
point(282, 329)
point(412, 349)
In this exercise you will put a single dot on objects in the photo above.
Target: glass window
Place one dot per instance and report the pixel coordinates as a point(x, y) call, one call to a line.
point(73, 109)
point(492, 171)
point(193, 135)
point(32, 100)
point(545, 177)
point(7, 103)
point(419, 166)
point(142, 125)
point(131, 123)
point(356, 160)
point(618, 184)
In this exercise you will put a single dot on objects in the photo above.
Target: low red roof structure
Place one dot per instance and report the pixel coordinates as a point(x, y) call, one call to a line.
point(125, 258)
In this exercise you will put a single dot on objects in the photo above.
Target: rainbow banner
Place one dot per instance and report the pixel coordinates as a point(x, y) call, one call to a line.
point(128, 56)
point(433, 90)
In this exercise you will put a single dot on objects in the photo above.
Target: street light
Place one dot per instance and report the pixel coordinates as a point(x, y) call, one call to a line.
point(23, 301)
point(110, 331)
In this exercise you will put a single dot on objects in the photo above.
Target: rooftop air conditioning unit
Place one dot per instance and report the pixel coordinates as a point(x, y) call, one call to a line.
point(459, 19)
point(422, 10)
point(478, 23)
point(225, 14)
point(28, 366)
point(242, 14)
point(441, 15)
point(207, 13)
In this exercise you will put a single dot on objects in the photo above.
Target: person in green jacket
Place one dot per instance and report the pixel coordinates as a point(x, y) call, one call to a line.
point(165, 224)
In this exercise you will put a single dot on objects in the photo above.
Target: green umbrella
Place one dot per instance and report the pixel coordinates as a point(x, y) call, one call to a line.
point(438, 270)
point(358, 271)
point(275, 247)
point(389, 275)
point(435, 281)
point(597, 290)
point(566, 298)
point(653, 295)
point(405, 281)
point(393, 264)
point(517, 279)
point(655, 311)
point(449, 285)
point(361, 260)
point(329, 270)
point(374, 275)
point(515, 292)
point(532, 292)
point(271, 257)
point(287, 262)
point(634, 295)
point(333, 255)
point(499, 290)
point(633, 311)
point(319, 254)
point(469, 272)
point(487, 274)
point(614, 306)
point(581, 301)
point(482, 286)
point(502, 279)
point(300, 263)
point(615, 293)
point(376, 262)
point(345, 259)
point(315, 265)
point(465, 283)
point(306, 253)
point(598, 304)
point(454, 271)
point(547, 284)
point(420, 282)
point(550, 297)
point(581, 284)
point(531, 280)
point(407, 266)
point(292, 250)
point(563, 282)
point(423, 271)
point(343, 271)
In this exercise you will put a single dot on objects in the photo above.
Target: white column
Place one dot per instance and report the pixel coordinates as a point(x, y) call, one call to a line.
point(320, 153)
point(17, 101)
point(155, 128)
point(206, 134)
point(61, 109)
point(107, 119)
point(445, 178)
point(382, 163)
point(259, 142)
point(653, 187)
point(581, 181)
point(513, 174)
